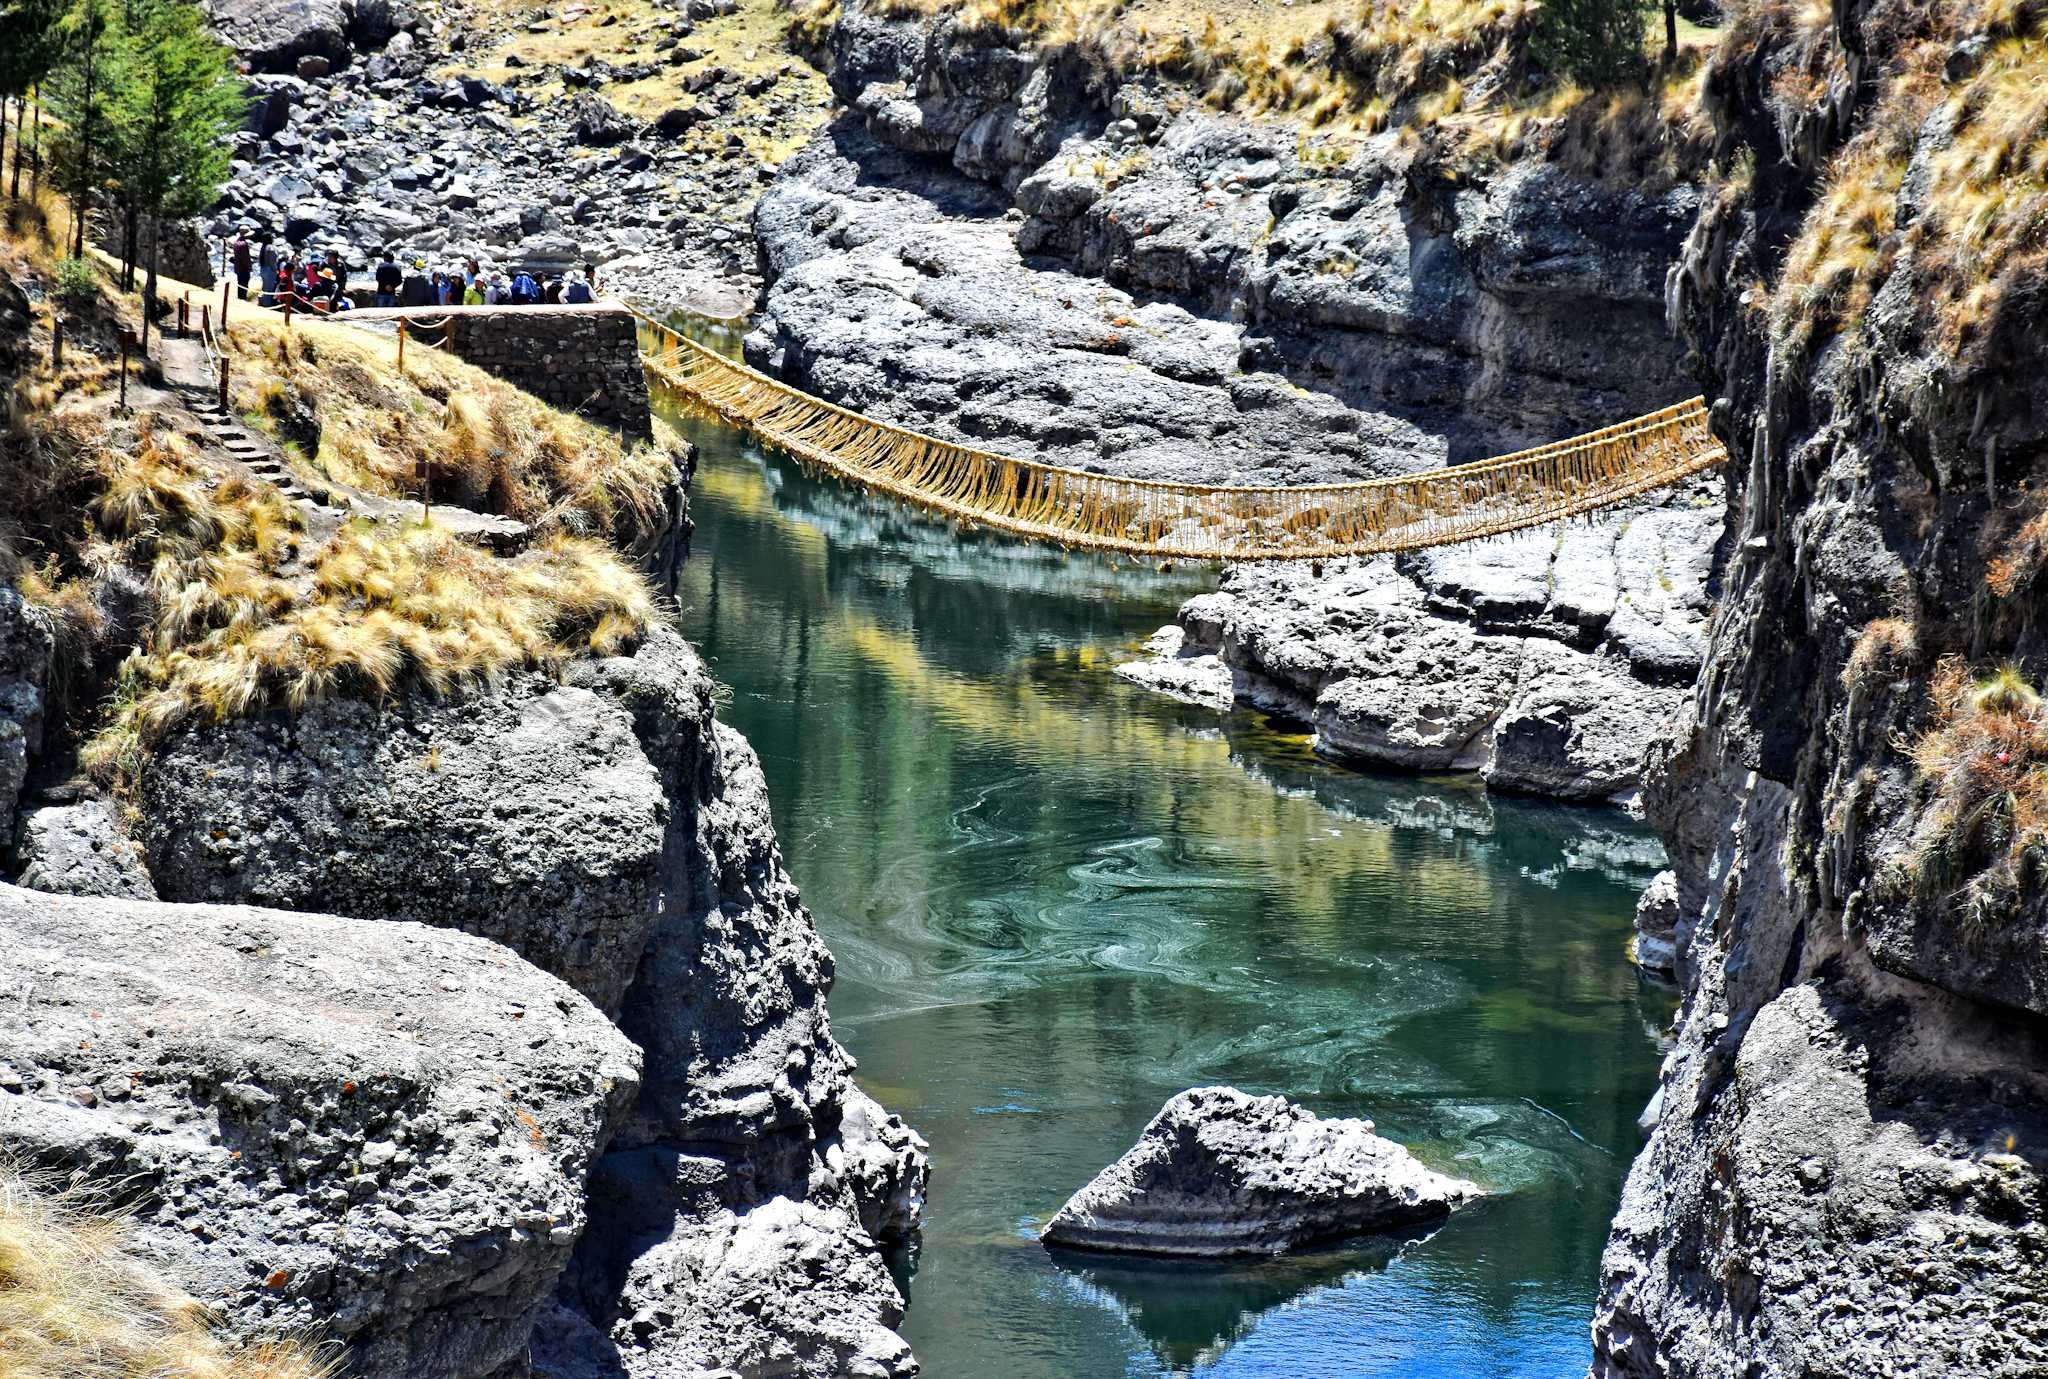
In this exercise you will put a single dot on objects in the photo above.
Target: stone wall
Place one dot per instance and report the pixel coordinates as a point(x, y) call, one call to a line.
point(583, 359)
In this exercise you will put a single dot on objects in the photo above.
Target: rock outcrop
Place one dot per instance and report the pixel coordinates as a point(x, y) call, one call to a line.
point(27, 651)
point(1219, 1173)
point(78, 849)
point(1544, 661)
point(378, 1129)
point(611, 831)
point(1846, 1174)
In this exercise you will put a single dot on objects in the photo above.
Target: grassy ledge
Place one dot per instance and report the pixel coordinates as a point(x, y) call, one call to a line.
point(183, 588)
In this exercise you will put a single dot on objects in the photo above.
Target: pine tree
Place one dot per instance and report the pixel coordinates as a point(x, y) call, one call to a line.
point(80, 93)
point(173, 114)
point(29, 47)
point(1599, 42)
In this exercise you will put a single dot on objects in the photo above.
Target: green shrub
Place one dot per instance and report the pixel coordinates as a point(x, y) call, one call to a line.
point(77, 284)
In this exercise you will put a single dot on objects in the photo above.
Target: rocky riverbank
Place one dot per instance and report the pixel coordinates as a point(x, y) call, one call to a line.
point(1130, 282)
point(1846, 1174)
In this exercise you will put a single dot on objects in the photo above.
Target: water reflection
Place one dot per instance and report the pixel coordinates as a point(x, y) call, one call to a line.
point(1056, 901)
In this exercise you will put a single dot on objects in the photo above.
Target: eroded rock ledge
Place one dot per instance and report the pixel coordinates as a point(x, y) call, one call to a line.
point(608, 829)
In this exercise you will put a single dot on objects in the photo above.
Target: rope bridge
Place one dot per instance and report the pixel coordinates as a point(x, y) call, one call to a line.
point(1076, 508)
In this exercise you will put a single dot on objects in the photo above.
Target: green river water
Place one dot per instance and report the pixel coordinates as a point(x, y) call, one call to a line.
point(1056, 900)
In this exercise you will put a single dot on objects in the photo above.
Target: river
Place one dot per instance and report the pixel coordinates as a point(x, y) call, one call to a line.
point(1056, 900)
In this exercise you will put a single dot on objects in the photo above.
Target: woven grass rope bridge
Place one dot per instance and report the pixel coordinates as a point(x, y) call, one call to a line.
point(1188, 521)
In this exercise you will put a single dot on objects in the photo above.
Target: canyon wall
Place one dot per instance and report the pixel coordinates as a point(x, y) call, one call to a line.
point(1846, 1171)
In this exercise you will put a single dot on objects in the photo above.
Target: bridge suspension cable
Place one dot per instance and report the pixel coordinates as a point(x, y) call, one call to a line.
point(1077, 508)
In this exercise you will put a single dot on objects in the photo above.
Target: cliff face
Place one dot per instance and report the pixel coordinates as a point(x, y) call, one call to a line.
point(610, 831)
point(1846, 1177)
point(1521, 303)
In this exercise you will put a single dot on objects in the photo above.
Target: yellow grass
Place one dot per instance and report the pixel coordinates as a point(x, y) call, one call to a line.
point(1981, 848)
point(475, 441)
point(76, 1304)
point(750, 42)
point(243, 619)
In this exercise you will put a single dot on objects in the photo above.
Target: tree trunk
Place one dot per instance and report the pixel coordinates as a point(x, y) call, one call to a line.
point(1670, 32)
point(156, 242)
point(35, 155)
point(20, 123)
point(131, 250)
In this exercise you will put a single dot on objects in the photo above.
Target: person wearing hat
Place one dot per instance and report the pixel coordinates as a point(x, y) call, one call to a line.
point(417, 289)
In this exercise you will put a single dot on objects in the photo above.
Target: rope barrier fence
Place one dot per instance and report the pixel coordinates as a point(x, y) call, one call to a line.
point(1079, 509)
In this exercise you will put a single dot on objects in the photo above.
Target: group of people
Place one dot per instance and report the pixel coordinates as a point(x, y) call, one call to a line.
point(319, 283)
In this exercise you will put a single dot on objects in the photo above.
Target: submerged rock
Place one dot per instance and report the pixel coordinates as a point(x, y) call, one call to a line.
point(1219, 1172)
point(378, 1129)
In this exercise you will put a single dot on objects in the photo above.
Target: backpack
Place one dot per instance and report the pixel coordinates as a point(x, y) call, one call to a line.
point(522, 290)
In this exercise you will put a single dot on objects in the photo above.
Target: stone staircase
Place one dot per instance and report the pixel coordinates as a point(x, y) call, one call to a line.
point(258, 457)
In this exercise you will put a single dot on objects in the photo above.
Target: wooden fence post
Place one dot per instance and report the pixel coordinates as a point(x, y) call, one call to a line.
point(56, 342)
point(223, 382)
point(401, 344)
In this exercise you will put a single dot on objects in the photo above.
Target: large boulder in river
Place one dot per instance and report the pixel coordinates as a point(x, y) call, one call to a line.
point(379, 1129)
point(1220, 1172)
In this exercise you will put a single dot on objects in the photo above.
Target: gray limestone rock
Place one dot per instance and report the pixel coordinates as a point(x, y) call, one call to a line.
point(1219, 1172)
point(611, 830)
point(27, 646)
point(1655, 946)
point(78, 849)
point(528, 816)
point(1176, 668)
point(378, 1129)
point(1576, 725)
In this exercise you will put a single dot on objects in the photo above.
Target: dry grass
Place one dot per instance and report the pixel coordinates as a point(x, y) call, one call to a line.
point(243, 610)
point(1458, 69)
point(1845, 247)
point(243, 620)
point(1981, 847)
point(1886, 650)
point(449, 431)
point(76, 1304)
point(1984, 238)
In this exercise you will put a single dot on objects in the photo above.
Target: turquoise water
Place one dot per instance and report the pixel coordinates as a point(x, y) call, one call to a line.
point(1056, 900)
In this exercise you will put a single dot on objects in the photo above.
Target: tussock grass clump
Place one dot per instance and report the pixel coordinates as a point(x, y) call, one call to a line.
point(243, 619)
point(449, 432)
point(1981, 243)
point(1982, 846)
point(76, 1304)
point(1887, 649)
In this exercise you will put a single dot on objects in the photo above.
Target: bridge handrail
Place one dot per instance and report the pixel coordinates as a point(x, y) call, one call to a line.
point(1647, 424)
